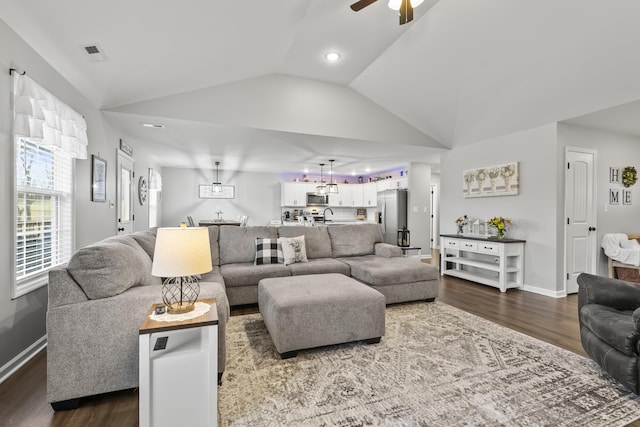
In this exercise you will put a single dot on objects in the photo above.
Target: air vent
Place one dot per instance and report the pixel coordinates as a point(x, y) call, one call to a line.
point(94, 52)
point(92, 49)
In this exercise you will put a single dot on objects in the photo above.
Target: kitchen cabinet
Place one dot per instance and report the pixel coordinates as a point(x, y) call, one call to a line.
point(344, 198)
point(493, 262)
point(369, 195)
point(295, 193)
point(393, 183)
point(357, 195)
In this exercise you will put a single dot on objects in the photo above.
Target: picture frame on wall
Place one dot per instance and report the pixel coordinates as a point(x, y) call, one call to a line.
point(491, 181)
point(98, 179)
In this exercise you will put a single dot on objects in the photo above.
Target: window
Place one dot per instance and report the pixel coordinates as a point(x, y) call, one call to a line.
point(43, 202)
point(47, 135)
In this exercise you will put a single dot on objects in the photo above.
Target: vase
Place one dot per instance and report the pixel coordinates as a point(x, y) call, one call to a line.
point(500, 234)
point(459, 229)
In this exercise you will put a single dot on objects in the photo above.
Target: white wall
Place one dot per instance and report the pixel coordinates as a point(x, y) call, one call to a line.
point(534, 211)
point(614, 150)
point(257, 195)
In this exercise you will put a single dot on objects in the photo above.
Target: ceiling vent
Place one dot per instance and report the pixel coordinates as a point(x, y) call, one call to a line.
point(94, 52)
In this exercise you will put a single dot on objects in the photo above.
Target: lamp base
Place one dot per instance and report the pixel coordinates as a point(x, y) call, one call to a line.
point(179, 294)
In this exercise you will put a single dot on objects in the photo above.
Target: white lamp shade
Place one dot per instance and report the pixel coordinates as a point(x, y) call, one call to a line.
point(181, 252)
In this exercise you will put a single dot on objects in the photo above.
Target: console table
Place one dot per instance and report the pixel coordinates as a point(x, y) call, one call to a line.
point(179, 370)
point(490, 261)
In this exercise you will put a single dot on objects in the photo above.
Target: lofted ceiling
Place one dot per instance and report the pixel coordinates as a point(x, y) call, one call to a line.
point(247, 83)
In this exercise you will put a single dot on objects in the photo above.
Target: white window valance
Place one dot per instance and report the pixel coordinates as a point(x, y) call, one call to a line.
point(42, 118)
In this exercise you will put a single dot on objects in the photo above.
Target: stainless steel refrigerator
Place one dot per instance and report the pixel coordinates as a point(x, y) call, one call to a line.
point(392, 213)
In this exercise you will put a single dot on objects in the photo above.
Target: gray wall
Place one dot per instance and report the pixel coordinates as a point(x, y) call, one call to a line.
point(22, 321)
point(418, 209)
point(614, 150)
point(257, 196)
point(534, 211)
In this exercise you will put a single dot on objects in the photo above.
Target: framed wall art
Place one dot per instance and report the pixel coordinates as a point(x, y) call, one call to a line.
point(499, 180)
point(98, 179)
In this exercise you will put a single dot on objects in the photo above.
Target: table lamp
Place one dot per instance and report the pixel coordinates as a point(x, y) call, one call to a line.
point(180, 254)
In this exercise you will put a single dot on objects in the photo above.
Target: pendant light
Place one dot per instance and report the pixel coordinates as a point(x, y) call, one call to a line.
point(217, 186)
point(332, 187)
point(321, 189)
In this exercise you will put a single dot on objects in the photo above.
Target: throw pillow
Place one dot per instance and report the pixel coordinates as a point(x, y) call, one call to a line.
point(268, 251)
point(293, 249)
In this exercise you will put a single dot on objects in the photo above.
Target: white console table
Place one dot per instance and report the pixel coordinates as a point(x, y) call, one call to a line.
point(490, 261)
point(179, 371)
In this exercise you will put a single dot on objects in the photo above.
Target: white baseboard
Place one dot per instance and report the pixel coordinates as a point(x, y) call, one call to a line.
point(17, 362)
point(545, 292)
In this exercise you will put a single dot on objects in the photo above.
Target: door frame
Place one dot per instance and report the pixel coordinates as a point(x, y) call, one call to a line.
point(594, 212)
point(120, 227)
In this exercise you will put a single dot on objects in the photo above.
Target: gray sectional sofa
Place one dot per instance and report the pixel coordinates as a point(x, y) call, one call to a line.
point(99, 300)
point(354, 250)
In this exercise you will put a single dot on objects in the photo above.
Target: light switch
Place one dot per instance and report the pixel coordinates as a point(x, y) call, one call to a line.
point(415, 209)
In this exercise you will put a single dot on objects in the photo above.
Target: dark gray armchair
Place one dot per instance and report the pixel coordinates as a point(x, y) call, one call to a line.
point(609, 314)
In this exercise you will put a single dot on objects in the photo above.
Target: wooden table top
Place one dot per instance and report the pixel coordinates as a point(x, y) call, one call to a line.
point(150, 326)
point(208, 222)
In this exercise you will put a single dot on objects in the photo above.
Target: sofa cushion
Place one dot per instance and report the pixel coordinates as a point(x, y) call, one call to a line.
point(268, 251)
point(146, 240)
point(245, 274)
point(354, 239)
point(316, 239)
point(110, 267)
point(293, 249)
point(614, 327)
point(379, 271)
point(214, 235)
point(320, 266)
point(237, 244)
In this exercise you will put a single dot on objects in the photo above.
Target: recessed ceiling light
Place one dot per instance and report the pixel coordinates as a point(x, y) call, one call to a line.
point(332, 56)
point(153, 125)
point(395, 4)
point(306, 170)
point(368, 169)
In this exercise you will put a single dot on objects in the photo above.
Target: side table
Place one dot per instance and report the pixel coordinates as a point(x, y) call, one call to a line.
point(179, 370)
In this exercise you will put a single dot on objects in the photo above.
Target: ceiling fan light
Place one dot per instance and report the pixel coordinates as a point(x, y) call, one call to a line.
point(395, 4)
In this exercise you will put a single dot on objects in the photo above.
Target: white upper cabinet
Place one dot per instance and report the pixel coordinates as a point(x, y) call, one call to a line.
point(294, 193)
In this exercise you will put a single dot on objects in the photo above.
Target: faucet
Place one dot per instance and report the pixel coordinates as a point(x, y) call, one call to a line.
point(324, 212)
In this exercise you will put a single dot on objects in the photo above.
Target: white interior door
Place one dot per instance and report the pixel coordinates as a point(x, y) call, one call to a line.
point(125, 192)
point(580, 215)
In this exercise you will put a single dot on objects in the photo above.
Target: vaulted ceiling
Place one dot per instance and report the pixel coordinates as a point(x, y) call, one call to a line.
point(247, 82)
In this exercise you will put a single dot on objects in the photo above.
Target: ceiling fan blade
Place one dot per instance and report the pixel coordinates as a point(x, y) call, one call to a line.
point(406, 12)
point(361, 4)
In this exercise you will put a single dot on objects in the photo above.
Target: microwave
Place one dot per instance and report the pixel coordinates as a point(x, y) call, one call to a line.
point(314, 199)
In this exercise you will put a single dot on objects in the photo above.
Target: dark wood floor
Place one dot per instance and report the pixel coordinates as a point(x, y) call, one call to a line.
point(23, 396)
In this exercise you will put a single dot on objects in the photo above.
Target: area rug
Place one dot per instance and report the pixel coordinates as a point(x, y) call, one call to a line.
point(435, 366)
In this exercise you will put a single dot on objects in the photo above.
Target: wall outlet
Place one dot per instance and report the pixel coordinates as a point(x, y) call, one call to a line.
point(415, 209)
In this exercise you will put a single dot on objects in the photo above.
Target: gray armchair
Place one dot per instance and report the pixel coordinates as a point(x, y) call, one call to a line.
point(609, 314)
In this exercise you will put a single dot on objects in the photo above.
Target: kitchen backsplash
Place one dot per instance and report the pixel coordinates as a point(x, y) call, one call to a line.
point(339, 214)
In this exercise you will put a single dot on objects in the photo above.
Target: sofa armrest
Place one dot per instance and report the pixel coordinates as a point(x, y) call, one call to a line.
point(63, 289)
point(386, 250)
point(614, 293)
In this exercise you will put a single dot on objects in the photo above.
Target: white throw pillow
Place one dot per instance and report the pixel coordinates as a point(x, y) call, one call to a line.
point(629, 244)
point(293, 249)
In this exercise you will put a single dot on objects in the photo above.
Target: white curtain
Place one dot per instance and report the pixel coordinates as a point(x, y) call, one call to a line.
point(42, 118)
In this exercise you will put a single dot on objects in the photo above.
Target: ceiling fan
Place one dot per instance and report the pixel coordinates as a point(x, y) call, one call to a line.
point(405, 7)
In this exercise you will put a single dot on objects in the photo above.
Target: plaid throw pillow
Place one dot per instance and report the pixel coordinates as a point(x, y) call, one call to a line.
point(268, 251)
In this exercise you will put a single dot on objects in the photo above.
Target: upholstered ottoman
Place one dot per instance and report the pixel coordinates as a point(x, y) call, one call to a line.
point(321, 309)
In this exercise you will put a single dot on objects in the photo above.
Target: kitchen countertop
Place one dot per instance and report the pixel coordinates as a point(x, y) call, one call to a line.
point(333, 222)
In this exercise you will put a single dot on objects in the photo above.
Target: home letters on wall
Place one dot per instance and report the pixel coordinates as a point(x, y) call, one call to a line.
point(499, 180)
point(625, 176)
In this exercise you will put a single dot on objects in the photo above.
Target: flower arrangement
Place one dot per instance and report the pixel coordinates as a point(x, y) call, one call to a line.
point(500, 224)
point(629, 176)
point(461, 221)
